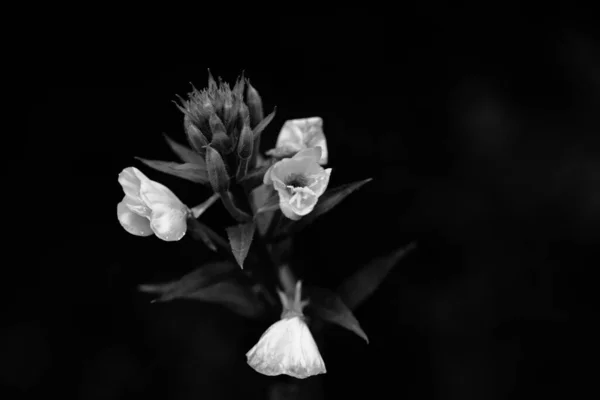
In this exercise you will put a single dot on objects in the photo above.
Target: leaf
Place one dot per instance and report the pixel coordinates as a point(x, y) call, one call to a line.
point(263, 124)
point(186, 154)
point(238, 298)
point(213, 283)
point(191, 282)
point(240, 239)
point(254, 179)
point(190, 172)
point(329, 306)
point(360, 286)
point(201, 231)
point(327, 201)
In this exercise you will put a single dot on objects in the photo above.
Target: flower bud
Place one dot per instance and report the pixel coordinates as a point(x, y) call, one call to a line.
point(254, 105)
point(217, 172)
point(220, 140)
point(195, 136)
point(246, 143)
point(244, 114)
point(231, 114)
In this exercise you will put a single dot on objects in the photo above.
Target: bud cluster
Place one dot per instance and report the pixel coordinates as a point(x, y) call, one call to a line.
point(220, 124)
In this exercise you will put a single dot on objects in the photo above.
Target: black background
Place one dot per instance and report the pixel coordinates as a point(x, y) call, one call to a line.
point(480, 130)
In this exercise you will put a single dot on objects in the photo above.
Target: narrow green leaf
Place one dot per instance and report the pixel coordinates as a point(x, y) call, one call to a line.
point(191, 282)
point(213, 283)
point(239, 298)
point(234, 211)
point(263, 124)
point(240, 239)
point(186, 154)
point(329, 306)
point(190, 172)
point(361, 285)
point(327, 202)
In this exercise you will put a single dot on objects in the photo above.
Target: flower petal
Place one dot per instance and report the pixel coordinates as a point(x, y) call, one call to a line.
point(287, 347)
point(314, 136)
point(153, 193)
point(168, 223)
point(298, 134)
point(137, 206)
point(131, 221)
point(302, 204)
point(295, 166)
point(319, 182)
point(288, 210)
point(291, 135)
point(267, 178)
point(130, 182)
point(312, 152)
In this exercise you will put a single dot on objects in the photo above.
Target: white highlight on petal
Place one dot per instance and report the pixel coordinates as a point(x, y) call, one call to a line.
point(287, 347)
point(168, 223)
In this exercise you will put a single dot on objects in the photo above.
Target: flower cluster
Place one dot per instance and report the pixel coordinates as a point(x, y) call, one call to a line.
point(223, 127)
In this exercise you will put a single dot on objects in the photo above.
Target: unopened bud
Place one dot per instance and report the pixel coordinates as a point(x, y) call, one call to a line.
point(217, 172)
point(244, 114)
point(238, 88)
point(246, 143)
point(220, 140)
point(212, 84)
point(254, 105)
point(195, 136)
point(229, 111)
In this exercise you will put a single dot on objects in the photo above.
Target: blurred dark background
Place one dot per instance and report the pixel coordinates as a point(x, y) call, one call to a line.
point(479, 127)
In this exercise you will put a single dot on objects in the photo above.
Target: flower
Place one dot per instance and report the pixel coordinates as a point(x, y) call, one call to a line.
point(299, 134)
point(150, 208)
point(300, 181)
point(288, 347)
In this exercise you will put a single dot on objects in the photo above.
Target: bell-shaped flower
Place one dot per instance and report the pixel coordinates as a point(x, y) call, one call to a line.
point(150, 208)
point(300, 181)
point(288, 347)
point(299, 134)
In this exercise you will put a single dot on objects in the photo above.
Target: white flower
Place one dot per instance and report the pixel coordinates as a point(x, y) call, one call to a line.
point(299, 134)
point(150, 208)
point(299, 181)
point(288, 347)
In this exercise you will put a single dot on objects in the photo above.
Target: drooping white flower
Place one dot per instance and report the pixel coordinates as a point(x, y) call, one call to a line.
point(299, 181)
point(150, 207)
point(288, 347)
point(299, 134)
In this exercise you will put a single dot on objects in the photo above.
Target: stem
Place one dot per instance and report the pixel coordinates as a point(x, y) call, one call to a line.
point(235, 212)
point(259, 240)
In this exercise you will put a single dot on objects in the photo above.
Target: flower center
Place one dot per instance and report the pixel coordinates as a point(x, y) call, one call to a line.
point(296, 180)
point(299, 194)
